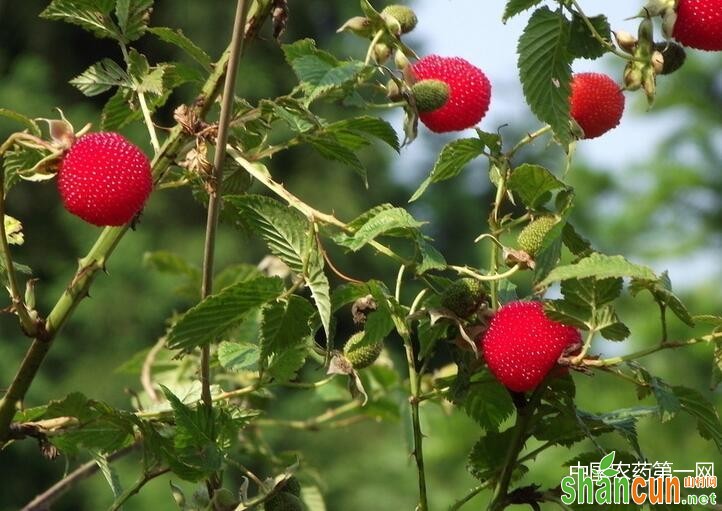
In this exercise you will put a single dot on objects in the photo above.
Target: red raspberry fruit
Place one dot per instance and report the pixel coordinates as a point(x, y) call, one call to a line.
point(699, 24)
point(522, 344)
point(596, 103)
point(104, 179)
point(469, 93)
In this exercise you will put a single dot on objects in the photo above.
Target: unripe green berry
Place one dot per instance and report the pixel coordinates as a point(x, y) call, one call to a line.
point(404, 15)
point(361, 356)
point(463, 297)
point(532, 236)
point(282, 501)
point(430, 95)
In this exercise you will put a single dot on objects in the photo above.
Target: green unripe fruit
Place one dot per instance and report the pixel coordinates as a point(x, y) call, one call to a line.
point(464, 296)
point(283, 502)
point(532, 236)
point(361, 356)
point(430, 95)
point(404, 15)
point(673, 54)
point(292, 486)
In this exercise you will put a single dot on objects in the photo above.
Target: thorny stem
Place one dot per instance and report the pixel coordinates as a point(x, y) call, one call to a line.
point(494, 226)
point(530, 137)
point(415, 387)
point(214, 202)
point(148, 122)
point(84, 471)
point(95, 261)
point(314, 423)
point(524, 415)
point(29, 326)
point(466, 498)
point(585, 348)
point(463, 270)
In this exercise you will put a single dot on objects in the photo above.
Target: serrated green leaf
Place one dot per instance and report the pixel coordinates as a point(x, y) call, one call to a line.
point(514, 7)
point(285, 337)
point(101, 77)
point(577, 245)
point(600, 266)
point(549, 253)
point(696, 405)
point(533, 184)
point(661, 290)
point(286, 232)
point(235, 356)
point(330, 147)
point(545, 69)
point(109, 473)
point(667, 401)
point(318, 71)
point(29, 123)
point(215, 315)
point(394, 221)
point(452, 160)
point(582, 44)
point(118, 111)
point(369, 126)
point(91, 15)
point(313, 498)
point(13, 230)
point(133, 17)
point(487, 456)
point(179, 39)
point(236, 273)
point(431, 258)
point(489, 405)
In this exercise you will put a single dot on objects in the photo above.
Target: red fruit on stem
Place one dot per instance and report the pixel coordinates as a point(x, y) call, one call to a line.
point(104, 179)
point(596, 103)
point(699, 24)
point(469, 93)
point(522, 344)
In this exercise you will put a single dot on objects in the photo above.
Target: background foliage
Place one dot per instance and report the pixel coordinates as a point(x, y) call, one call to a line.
point(668, 207)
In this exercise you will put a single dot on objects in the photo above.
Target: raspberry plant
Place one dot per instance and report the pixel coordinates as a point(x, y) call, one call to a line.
point(207, 385)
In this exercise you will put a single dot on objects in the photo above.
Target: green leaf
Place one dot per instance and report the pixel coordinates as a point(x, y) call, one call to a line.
point(18, 163)
point(582, 44)
point(179, 39)
point(285, 337)
point(514, 7)
point(545, 69)
point(29, 123)
point(368, 126)
point(215, 315)
point(452, 160)
point(92, 15)
point(716, 367)
point(577, 245)
point(667, 401)
point(599, 266)
point(533, 184)
point(13, 230)
point(661, 290)
point(431, 258)
point(288, 235)
point(313, 498)
point(133, 17)
point(109, 473)
point(488, 454)
point(489, 404)
point(318, 71)
point(394, 221)
point(119, 111)
point(696, 405)
point(100, 77)
point(586, 305)
point(236, 273)
point(170, 263)
point(330, 147)
point(236, 357)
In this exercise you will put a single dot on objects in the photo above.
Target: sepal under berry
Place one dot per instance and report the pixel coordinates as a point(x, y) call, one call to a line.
point(283, 502)
point(430, 95)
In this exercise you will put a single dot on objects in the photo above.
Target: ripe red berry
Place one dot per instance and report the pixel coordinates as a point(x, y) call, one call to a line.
point(104, 179)
point(699, 24)
point(469, 93)
point(596, 103)
point(522, 344)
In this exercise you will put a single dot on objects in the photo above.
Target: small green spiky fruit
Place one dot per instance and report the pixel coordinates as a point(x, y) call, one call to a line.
point(531, 237)
point(430, 95)
point(361, 356)
point(283, 501)
point(404, 15)
point(292, 486)
point(464, 296)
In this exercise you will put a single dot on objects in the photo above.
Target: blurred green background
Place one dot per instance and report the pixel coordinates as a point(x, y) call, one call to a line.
point(667, 209)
